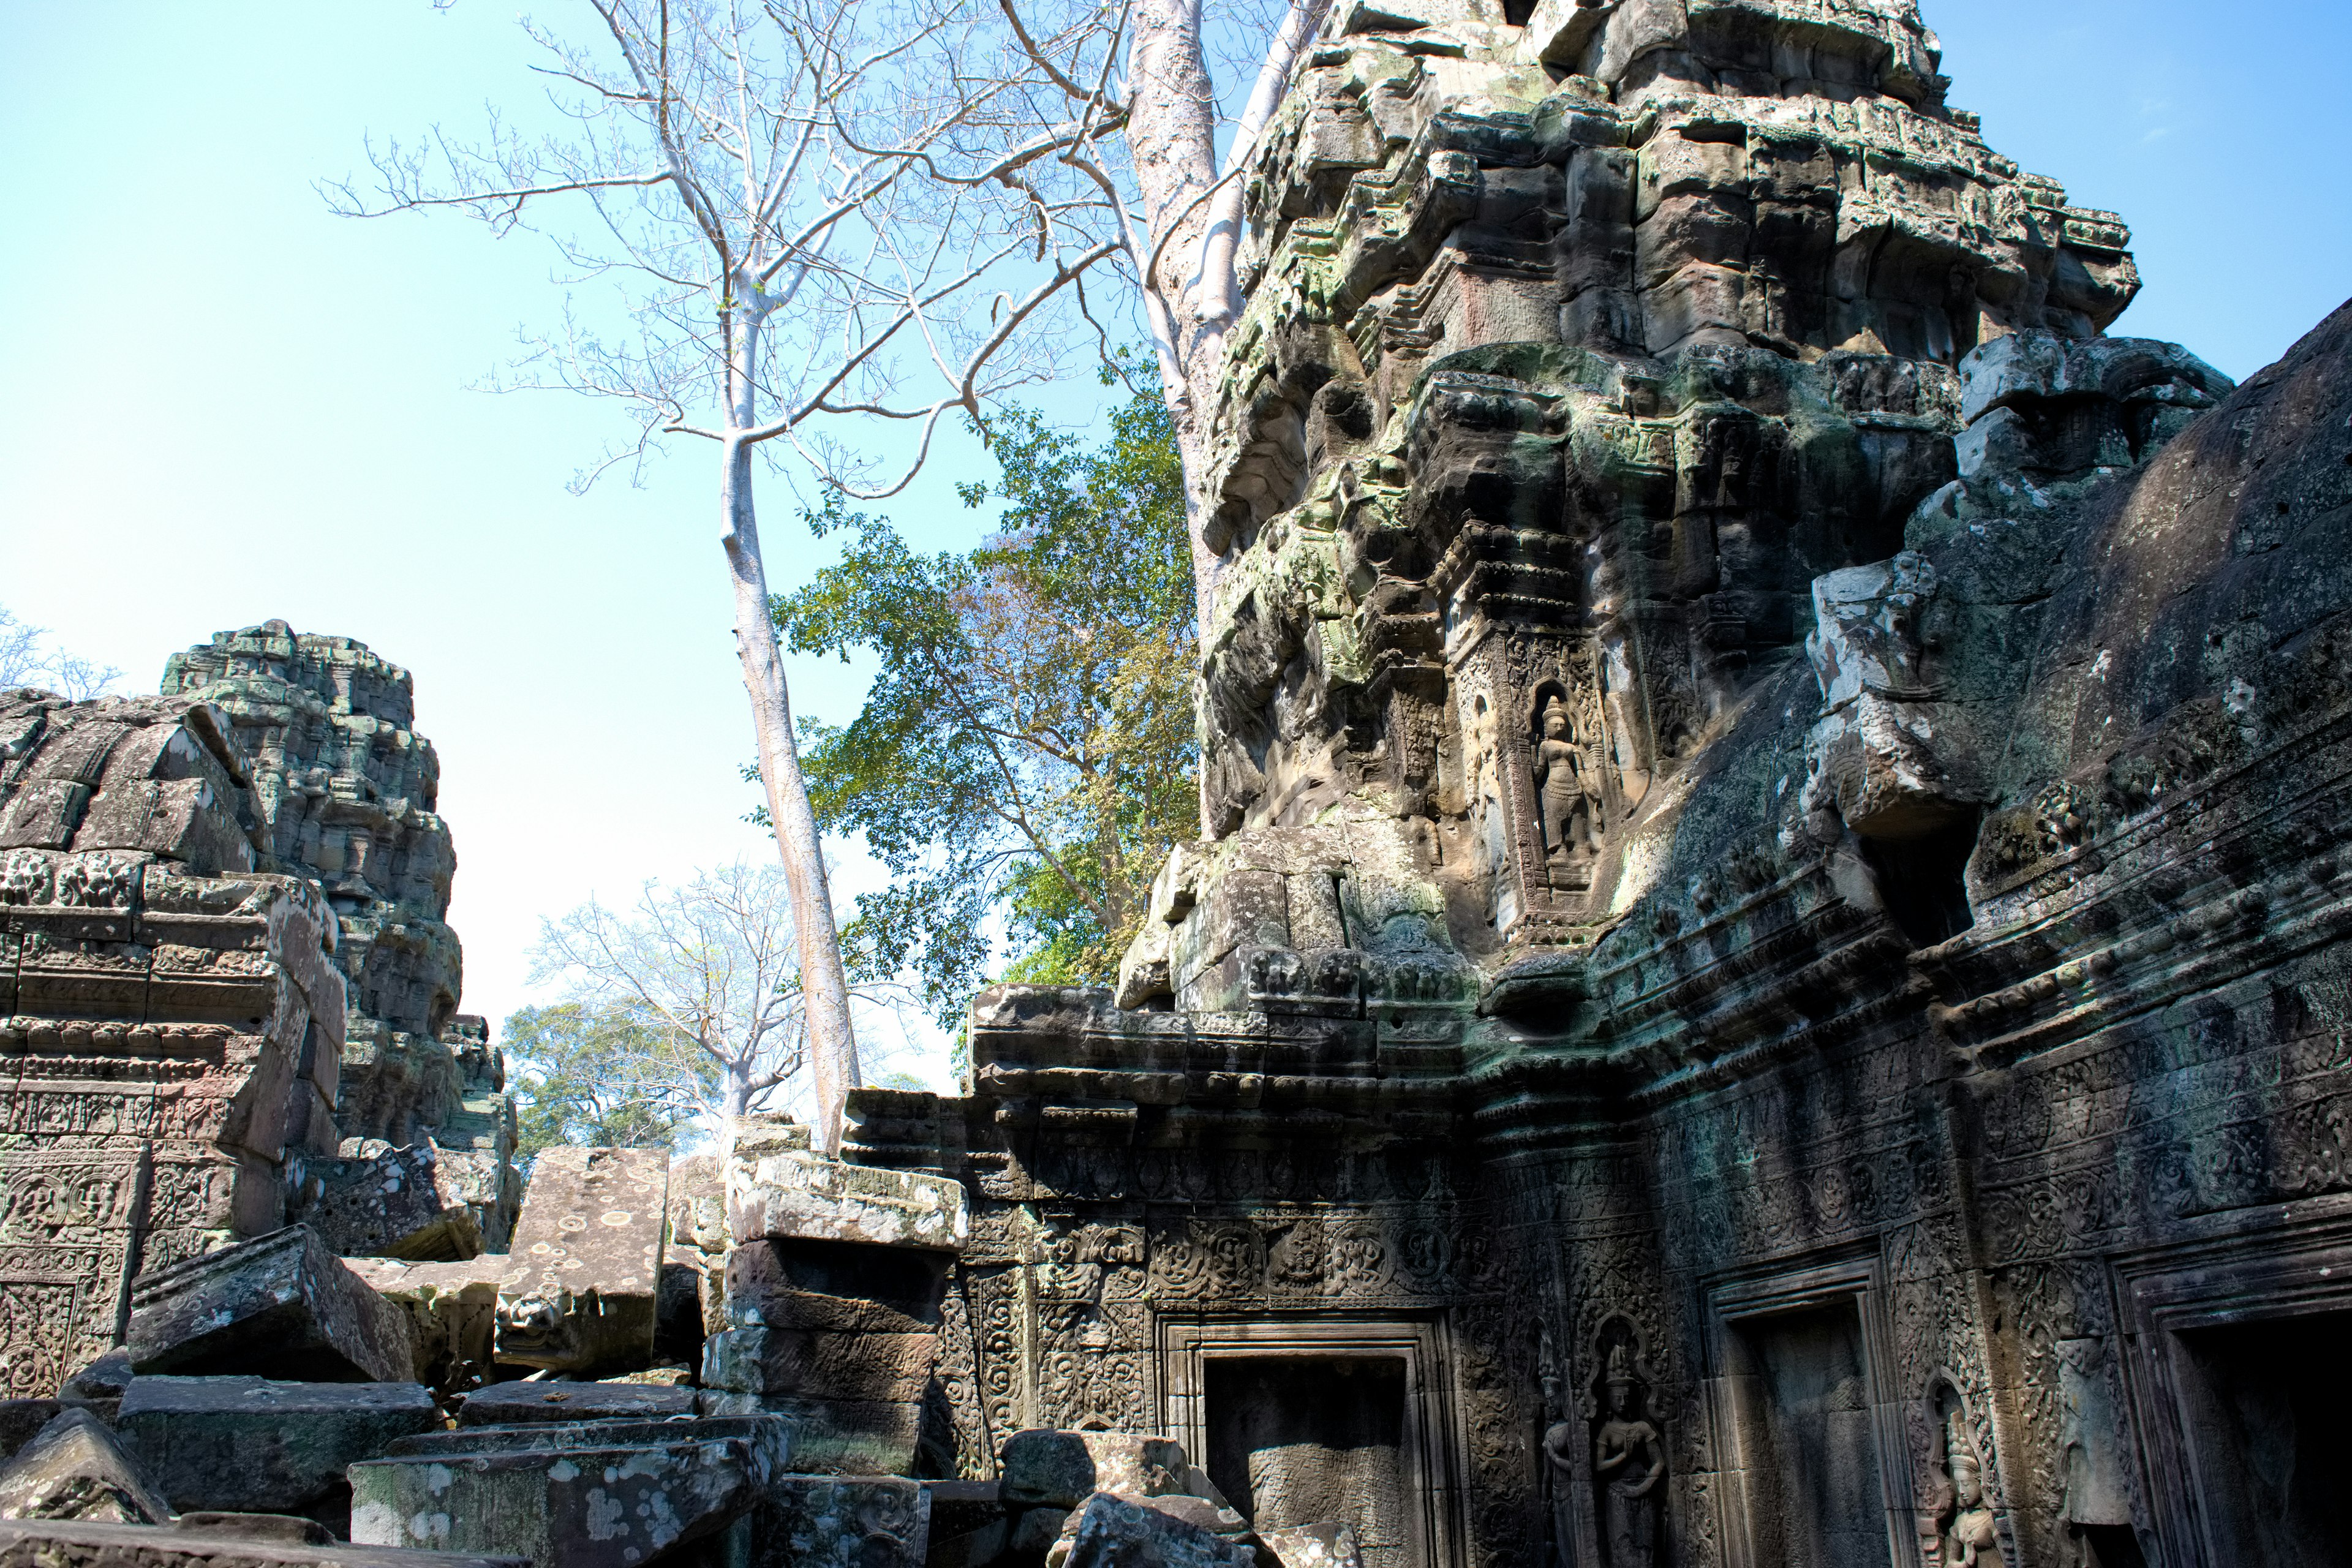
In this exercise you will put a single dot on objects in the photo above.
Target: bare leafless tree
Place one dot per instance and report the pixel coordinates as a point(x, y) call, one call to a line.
point(828, 216)
point(28, 657)
point(706, 974)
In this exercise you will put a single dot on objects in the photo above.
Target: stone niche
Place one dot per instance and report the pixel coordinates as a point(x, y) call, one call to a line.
point(1772, 945)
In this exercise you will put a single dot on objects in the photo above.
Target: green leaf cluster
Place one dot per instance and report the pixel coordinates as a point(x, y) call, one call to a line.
point(1026, 756)
point(581, 1073)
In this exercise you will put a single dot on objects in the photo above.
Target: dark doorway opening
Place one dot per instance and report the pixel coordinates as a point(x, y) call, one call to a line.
point(1924, 880)
point(1300, 1440)
point(1817, 1493)
point(2264, 1413)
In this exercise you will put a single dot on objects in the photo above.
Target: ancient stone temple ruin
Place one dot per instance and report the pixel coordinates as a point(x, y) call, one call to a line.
point(1767, 985)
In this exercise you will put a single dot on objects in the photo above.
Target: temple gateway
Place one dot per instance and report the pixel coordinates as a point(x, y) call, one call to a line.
point(1767, 985)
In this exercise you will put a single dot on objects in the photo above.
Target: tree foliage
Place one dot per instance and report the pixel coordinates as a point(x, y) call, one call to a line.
point(1024, 759)
point(579, 1067)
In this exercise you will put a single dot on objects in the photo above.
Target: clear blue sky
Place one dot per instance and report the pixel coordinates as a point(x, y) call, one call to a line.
point(220, 404)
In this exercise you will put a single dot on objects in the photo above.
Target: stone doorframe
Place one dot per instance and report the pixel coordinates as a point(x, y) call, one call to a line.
point(1187, 1345)
point(2223, 1280)
point(1734, 1401)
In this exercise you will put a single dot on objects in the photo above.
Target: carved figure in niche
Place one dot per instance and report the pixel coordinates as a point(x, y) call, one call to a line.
point(1970, 1538)
point(1565, 784)
point(1628, 1460)
point(1561, 1439)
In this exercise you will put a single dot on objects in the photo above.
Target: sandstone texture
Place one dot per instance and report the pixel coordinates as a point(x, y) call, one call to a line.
point(1775, 806)
point(220, 1542)
point(249, 1445)
point(281, 1303)
point(76, 1469)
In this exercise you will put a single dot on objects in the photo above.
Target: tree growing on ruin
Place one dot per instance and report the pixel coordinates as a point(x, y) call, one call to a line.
point(827, 218)
point(1024, 760)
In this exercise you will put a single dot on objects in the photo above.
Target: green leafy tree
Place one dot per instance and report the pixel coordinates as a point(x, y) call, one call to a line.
point(580, 1067)
point(1026, 756)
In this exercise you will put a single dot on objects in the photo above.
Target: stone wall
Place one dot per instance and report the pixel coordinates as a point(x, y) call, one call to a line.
point(194, 890)
point(1772, 955)
point(169, 1016)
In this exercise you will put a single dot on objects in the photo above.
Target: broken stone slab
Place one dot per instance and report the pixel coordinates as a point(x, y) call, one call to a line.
point(841, 1333)
point(842, 1521)
point(75, 1468)
point(281, 1529)
point(283, 1304)
point(247, 1444)
point(513, 1404)
point(453, 1312)
point(775, 1189)
point(580, 1293)
point(1061, 1469)
point(571, 1507)
point(769, 1437)
point(56, 1544)
point(1314, 1546)
point(833, 1437)
point(376, 1200)
point(1111, 1531)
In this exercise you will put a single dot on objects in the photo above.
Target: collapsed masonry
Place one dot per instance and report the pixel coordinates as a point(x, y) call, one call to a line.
point(1767, 985)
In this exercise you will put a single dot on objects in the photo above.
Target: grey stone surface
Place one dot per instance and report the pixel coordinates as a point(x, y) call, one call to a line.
point(842, 1521)
point(281, 1303)
point(20, 1418)
point(1061, 1469)
point(376, 1200)
point(580, 1497)
point(249, 1445)
point(1314, 1546)
point(1113, 1531)
point(452, 1309)
point(581, 1290)
point(48, 1544)
point(75, 1468)
point(510, 1404)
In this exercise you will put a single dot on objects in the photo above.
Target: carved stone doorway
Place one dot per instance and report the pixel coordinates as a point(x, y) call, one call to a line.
point(2238, 1385)
point(2264, 1407)
point(1307, 1419)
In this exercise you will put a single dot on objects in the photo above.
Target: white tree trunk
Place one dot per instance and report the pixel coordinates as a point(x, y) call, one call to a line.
point(824, 985)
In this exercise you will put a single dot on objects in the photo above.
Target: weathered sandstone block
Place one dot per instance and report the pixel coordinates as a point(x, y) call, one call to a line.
point(250, 1445)
point(282, 1303)
point(76, 1469)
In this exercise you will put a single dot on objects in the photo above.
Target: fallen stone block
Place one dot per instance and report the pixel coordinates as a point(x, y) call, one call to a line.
point(1314, 1546)
point(843, 1335)
point(75, 1468)
point(281, 1529)
point(569, 1507)
point(453, 1313)
point(833, 1436)
point(768, 1439)
point(376, 1200)
point(778, 1187)
point(247, 1445)
point(282, 1305)
point(229, 1544)
point(842, 1521)
point(1122, 1533)
point(510, 1404)
point(1061, 1469)
point(580, 1293)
